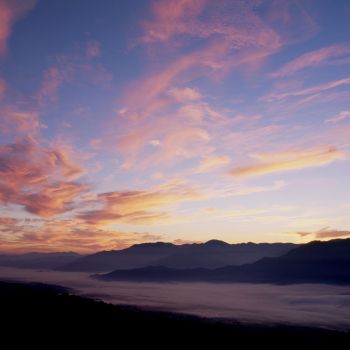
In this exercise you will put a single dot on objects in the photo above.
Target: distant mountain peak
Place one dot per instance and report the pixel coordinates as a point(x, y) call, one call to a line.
point(215, 243)
point(152, 244)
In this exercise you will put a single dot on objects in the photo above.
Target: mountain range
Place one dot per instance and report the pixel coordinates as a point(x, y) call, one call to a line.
point(314, 262)
point(212, 254)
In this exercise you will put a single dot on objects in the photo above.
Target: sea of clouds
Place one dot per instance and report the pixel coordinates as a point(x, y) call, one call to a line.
point(303, 304)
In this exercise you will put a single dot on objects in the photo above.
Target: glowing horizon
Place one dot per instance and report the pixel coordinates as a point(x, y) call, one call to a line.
point(175, 120)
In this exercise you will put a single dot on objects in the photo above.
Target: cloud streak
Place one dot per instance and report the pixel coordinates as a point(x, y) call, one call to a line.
point(138, 207)
point(308, 91)
point(212, 163)
point(325, 56)
point(327, 233)
point(341, 116)
point(289, 160)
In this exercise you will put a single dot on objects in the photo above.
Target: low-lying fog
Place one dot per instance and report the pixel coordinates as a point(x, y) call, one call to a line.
point(304, 304)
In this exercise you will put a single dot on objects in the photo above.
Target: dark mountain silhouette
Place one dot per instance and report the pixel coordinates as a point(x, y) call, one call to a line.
point(38, 260)
point(41, 314)
point(212, 254)
point(315, 262)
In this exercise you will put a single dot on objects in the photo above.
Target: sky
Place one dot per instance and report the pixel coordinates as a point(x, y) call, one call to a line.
point(132, 121)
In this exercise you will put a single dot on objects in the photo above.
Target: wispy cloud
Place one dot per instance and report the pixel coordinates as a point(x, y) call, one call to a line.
point(212, 163)
point(20, 123)
point(343, 115)
point(138, 207)
point(226, 42)
point(327, 232)
point(307, 91)
point(3, 88)
point(52, 80)
point(335, 54)
point(93, 49)
point(289, 160)
point(236, 190)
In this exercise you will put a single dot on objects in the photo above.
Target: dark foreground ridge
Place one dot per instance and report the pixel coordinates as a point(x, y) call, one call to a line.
point(37, 312)
point(315, 262)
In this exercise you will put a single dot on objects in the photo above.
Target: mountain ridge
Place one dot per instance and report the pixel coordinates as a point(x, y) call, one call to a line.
point(314, 262)
point(211, 254)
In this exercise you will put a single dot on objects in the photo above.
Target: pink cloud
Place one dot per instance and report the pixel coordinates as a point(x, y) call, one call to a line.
point(172, 17)
point(93, 49)
point(7, 221)
point(3, 88)
point(10, 12)
point(17, 123)
point(37, 178)
point(185, 94)
point(313, 90)
point(182, 134)
point(243, 39)
point(53, 79)
point(325, 56)
point(212, 163)
point(236, 22)
point(339, 117)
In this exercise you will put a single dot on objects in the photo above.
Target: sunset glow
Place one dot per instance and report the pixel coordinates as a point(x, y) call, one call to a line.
point(124, 122)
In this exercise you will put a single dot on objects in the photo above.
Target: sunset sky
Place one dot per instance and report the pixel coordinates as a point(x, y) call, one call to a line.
point(133, 121)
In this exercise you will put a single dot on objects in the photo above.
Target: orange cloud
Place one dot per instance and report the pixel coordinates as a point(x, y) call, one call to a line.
point(38, 178)
point(289, 160)
point(212, 163)
point(7, 221)
point(10, 12)
point(66, 235)
point(243, 190)
point(323, 56)
point(326, 232)
point(51, 200)
point(137, 207)
point(181, 241)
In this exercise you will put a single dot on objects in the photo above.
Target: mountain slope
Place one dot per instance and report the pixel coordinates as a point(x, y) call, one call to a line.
point(315, 262)
point(212, 254)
